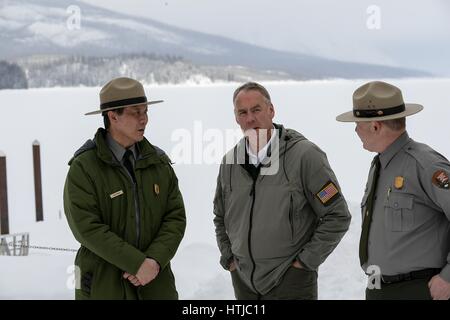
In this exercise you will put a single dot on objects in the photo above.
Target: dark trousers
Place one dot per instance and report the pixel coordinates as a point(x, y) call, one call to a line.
point(296, 284)
point(416, 289)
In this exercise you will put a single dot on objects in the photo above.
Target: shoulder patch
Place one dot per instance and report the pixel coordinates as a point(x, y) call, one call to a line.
point(328, 193)
point(440, 179)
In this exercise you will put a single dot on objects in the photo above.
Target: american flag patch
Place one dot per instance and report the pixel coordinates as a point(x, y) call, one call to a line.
point(328, 193)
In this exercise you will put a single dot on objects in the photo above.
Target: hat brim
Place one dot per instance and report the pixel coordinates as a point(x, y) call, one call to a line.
point(119, 107)
point(410, 109)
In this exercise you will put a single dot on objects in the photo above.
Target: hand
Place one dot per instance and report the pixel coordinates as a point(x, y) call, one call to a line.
point(148, 271)
point(232, 266)
point(439, 288)
point(297, 264)
point(132, 279)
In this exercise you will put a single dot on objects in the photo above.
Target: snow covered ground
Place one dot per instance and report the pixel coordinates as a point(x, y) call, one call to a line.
point(197, 116)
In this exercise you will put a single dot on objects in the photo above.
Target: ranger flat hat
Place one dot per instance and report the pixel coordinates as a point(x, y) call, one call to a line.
point(378, 101)
point(120, 93)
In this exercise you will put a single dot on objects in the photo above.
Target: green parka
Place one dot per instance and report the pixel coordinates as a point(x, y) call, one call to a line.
point(99, 202)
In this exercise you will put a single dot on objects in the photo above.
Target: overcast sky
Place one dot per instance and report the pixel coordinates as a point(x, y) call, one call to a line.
point(411, 32)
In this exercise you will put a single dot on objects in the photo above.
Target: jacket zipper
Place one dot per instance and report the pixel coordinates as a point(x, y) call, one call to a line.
point(291, 218)
point(252, 194)
point(137, 210)
point(136, 206)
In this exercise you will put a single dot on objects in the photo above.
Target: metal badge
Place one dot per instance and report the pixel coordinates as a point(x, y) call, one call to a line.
point(156, 188)
point(399, 182)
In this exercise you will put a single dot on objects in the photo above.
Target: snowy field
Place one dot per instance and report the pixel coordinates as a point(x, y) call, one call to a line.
point(198, 116)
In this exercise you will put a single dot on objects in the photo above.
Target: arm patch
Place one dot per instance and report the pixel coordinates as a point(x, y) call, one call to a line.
point(440, 179)
point(328, 193)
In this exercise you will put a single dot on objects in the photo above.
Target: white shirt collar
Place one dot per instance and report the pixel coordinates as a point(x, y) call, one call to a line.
point(262, 154)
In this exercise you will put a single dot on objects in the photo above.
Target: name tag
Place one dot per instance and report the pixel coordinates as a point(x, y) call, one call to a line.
point(116, 194)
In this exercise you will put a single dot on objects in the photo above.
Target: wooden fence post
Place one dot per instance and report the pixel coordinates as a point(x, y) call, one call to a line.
point(4, 221)
point(37, 180)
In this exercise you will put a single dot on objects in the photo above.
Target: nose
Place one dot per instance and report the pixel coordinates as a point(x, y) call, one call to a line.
point(250, 119)
point(143, 118)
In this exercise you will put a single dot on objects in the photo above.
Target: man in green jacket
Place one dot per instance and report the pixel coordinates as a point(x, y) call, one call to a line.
point(123, 205)
point(279, 211)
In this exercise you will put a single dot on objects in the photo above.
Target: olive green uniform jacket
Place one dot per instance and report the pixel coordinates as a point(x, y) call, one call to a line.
point(99, 202)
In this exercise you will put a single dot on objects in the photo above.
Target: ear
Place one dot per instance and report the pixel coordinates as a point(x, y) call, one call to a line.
point(272, 111)
point(376, 126)
point(235, 116)
point(112, 116)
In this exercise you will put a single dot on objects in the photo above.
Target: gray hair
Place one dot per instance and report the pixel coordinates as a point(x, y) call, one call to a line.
point(396, 124)
point(253, 86)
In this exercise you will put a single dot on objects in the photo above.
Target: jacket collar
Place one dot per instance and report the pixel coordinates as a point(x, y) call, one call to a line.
point(147, 153)
point(387, 155)
point(287, 139)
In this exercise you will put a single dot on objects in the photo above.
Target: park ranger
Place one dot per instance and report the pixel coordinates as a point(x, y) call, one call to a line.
point(123, 204)
point(405, 237)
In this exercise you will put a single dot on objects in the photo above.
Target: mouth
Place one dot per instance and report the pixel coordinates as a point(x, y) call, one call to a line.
point(141, 130)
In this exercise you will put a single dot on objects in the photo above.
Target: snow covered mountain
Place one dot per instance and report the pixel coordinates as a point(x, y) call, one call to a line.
point(51, 27)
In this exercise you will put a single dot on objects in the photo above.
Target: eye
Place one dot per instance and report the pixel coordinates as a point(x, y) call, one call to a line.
point(139, 113)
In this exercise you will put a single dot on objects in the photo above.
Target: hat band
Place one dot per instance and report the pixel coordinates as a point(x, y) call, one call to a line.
point(378, 112)
point(123, 102)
